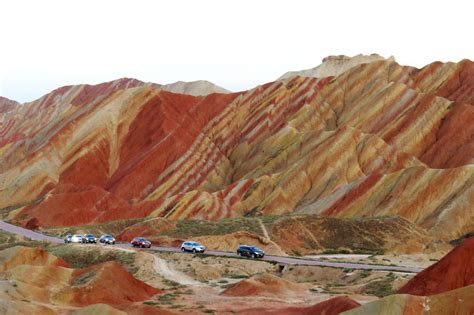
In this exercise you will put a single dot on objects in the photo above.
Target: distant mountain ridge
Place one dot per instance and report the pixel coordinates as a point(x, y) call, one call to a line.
point(195, 88)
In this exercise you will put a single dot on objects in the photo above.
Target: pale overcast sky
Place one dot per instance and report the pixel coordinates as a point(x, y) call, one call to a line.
point(235, 44)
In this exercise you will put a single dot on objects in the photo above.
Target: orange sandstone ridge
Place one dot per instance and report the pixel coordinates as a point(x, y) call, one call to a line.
point(377, 139)
point(40, 283)
point(333, 306)
point(459, 301)
point(265, 285)
point(454, 271)
point(446, 287)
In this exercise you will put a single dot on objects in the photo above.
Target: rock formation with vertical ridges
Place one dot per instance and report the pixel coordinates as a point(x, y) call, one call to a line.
point(377, 139)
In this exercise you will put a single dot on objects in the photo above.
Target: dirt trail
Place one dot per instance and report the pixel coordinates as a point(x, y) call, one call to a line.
point(264, 229)
point(162, 268)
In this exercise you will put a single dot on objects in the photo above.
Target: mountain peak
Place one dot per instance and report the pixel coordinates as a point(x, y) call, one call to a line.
point(334, 65)
point(196, 88)
point(7, 104)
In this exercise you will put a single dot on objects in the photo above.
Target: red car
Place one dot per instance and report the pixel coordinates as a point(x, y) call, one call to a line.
point(141, 242)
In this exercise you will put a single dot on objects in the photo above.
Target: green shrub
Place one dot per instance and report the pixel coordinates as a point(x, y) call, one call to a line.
point(167, 298)
point(365, 273)
point(381, 288)
point(235, 276)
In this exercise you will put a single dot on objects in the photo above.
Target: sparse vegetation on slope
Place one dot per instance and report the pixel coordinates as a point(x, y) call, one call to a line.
point(83, 257)
point(187, 228)
point(8, 240)
point(381, 288)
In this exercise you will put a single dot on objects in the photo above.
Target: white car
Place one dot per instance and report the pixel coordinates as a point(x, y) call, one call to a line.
point(194, 247)
point(76, 238)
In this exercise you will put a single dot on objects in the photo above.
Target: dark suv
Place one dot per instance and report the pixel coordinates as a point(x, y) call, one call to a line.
point(89, 238)
point(141, 242)
point(250, 251)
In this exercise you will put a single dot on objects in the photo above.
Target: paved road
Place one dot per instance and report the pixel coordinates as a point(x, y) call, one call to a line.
point(28, 233)
point(278, 259)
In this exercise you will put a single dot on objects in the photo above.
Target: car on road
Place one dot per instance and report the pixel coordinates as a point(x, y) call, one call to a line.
point(89, 239)
point(141, 242)
point(194, 247)
point(250, 251)
point(107, 239)
point(76, 238)
point(67, 238)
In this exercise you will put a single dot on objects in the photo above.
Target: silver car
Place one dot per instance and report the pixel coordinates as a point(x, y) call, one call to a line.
point(76, 238)
point(107, 239)
point(194, 247)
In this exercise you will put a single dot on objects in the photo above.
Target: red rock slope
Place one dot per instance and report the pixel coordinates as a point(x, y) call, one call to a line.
point(332, 306)
point(18, 255)
point(41, 283)
point(455, 270)
point(265, 285)
point(378, 139)
point(107, 283)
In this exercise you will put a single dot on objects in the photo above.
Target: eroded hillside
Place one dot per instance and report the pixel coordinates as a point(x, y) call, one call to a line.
point(378, 139)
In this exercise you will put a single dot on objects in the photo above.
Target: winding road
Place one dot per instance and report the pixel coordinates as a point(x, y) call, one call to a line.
point(283, 260)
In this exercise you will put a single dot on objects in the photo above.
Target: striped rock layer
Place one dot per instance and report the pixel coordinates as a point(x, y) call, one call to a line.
point(453, 271)
point(459, 301)
point(379, 139)
point(37, 282)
